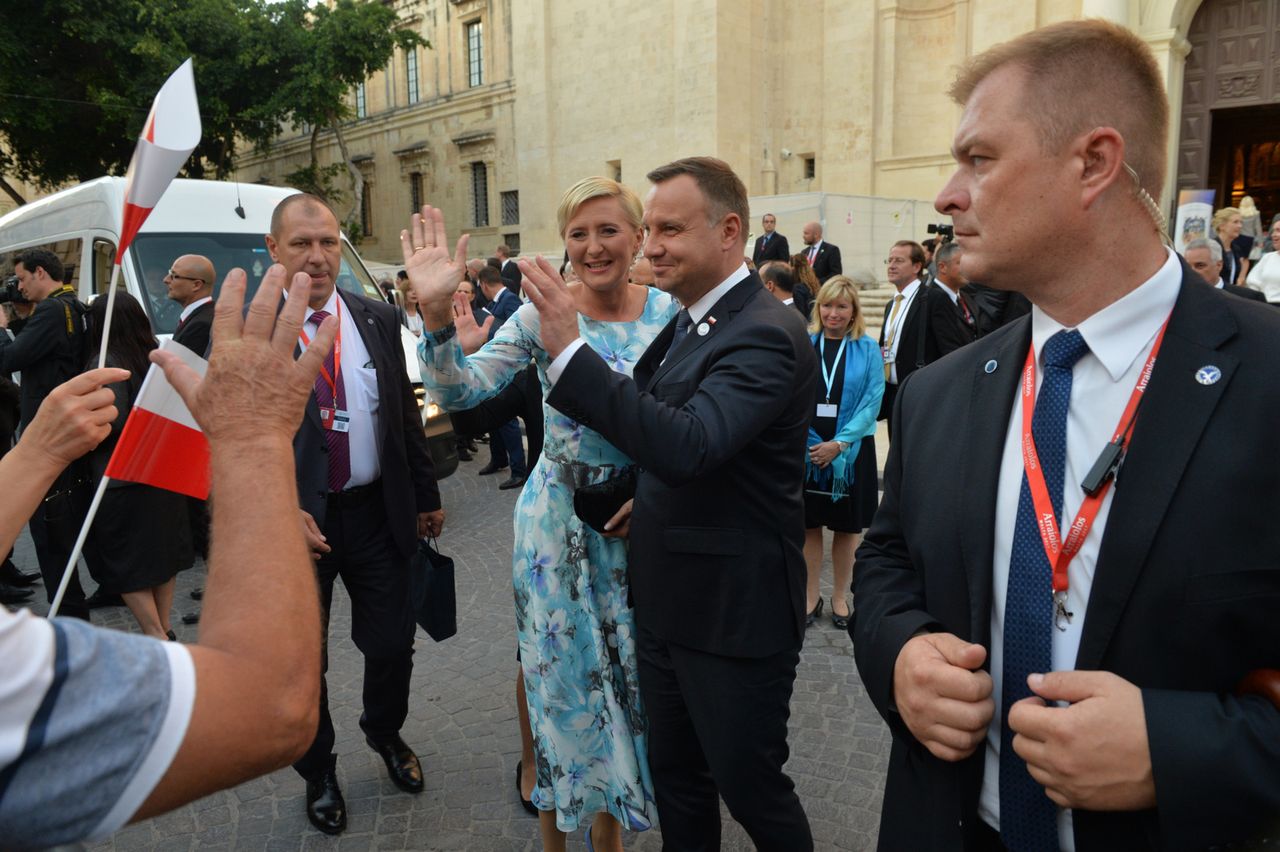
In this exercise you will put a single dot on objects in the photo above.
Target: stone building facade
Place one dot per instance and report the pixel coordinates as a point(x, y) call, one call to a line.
point(824, 96)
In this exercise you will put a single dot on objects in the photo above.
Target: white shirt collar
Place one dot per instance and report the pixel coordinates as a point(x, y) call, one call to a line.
point(330, 306)
point(790, 301)
point(910, 290)
point(1118, 332)
point(703, 306)
point(946, 288)
point(813, 247)
point(191, 308)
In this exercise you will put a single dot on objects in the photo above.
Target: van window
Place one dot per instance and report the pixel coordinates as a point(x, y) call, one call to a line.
point(67, 251)
point(104, 257)
point(151, 255)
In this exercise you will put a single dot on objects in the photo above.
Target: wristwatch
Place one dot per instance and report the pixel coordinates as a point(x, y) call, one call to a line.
point(843, 445)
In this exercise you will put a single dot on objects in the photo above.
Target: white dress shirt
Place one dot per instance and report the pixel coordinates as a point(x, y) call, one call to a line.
point(697, 311)
point(360, 380)
point(1120, 337)
point(191, 309)
point(908, 294)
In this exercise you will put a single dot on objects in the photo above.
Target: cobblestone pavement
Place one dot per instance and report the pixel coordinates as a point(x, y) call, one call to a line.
point(462, 724)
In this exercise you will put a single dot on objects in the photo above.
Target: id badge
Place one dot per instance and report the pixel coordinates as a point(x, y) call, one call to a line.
point(334, 419)
point(886, 355)
point(826, 409)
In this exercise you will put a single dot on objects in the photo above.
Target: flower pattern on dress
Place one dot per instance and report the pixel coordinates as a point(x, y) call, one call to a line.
point(576, 632)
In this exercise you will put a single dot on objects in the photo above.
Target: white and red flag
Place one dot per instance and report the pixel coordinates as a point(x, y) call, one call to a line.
point(161, 443)
point(170, 135)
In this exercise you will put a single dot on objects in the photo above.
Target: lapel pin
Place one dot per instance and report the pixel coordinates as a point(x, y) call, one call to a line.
point(711, 320)
point(1208, 375)
point(369, 320)
point(990, 366)
point(703, 328)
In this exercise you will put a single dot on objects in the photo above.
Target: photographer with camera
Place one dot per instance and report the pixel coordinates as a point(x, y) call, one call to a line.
point(49, 348)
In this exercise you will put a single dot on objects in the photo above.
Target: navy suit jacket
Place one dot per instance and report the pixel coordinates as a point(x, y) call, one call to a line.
point(775, 249)
point(408, 478)
point(718, 431)
point(1184, 593)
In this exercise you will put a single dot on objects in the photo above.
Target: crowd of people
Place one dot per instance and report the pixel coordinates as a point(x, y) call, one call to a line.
point(698, 420)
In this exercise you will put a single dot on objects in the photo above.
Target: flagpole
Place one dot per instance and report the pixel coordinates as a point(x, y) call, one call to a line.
point(111, 307)
point(84, 533)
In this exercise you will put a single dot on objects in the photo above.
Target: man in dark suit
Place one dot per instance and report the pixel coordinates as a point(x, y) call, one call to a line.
point(822, 256)
point(920, 323)
point(716, 418)
point(367, 492)
point(189, 283)
point(507, 266)
point(950, 280)
point(505, 445)
point(770, 245)
point(778, 279)
point(1106, 700)
point(1205, 257)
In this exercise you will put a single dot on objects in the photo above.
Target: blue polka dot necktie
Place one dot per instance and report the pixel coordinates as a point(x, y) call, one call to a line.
point(1029, 818)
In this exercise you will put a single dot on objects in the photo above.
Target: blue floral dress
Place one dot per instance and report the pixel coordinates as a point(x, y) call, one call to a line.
point(576, 632)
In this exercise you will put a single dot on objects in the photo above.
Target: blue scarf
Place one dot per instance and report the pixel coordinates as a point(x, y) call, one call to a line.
point(855, 417)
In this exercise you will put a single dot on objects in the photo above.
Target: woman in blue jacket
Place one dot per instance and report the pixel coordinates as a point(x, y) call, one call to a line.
point(841, 487)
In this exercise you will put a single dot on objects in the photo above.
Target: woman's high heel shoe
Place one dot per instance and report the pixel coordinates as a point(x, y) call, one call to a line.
point(813, 616)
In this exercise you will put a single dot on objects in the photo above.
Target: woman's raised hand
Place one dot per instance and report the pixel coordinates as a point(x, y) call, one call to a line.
point(470, 336)
point(433, 274)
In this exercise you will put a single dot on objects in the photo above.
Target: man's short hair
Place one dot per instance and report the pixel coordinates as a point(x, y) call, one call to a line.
point(490, 275)
point(917, 250)
point(930, 244)
point(778, 273)
point(503, 250)
point(306, 198)
point(36, 258)
point(402, 275)
point(946, 252)
point(720, 185)
point(1082, 75)
point(496, 263)
point(1215, 250)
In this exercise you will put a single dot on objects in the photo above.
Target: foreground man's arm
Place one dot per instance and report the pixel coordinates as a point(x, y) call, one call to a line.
point(155, 725)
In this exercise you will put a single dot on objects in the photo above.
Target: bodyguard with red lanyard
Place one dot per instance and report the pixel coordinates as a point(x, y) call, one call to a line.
point(367, 491)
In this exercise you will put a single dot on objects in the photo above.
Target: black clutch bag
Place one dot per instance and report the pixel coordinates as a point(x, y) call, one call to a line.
point(596, 504)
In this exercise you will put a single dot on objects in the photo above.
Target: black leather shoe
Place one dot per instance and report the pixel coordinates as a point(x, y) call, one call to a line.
point(325, 806)
point(524, 803)
point(513, 482)
point(197, 594)
point(191, 618)
point(100, 599)
point(402, 763)
point(15, 576)
point(11, 595)
point(464, 454)
point(491, 468)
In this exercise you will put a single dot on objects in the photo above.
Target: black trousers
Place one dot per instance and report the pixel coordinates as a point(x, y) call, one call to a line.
point(522, 398)
point(376, 577)
point(54, 528)
point(718, 729)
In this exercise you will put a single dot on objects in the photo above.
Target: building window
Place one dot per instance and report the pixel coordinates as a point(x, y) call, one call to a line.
point(810, 168)
point(513, 243)
point(411, 73)
point(361, 112)
point(479, 195)
point(475, 54)
point(415, 192)
point(366, 211)
point(511, 208)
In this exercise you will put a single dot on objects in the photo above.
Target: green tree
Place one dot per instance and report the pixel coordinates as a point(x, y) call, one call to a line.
point(328, 51)
point(77, 77)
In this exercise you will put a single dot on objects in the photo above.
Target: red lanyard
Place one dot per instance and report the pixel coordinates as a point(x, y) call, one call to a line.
point(337, 353)
point(1059, 552)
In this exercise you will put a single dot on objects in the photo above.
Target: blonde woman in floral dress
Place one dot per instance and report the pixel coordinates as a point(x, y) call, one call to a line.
point(577, 647)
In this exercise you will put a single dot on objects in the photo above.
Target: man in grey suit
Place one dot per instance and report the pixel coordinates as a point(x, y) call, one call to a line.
point(716, 418)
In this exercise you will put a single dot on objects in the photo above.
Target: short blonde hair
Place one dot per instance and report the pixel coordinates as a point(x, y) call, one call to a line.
point(839, 287)
point(1082, 75)
point(1222, 216)
point(599, 187)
